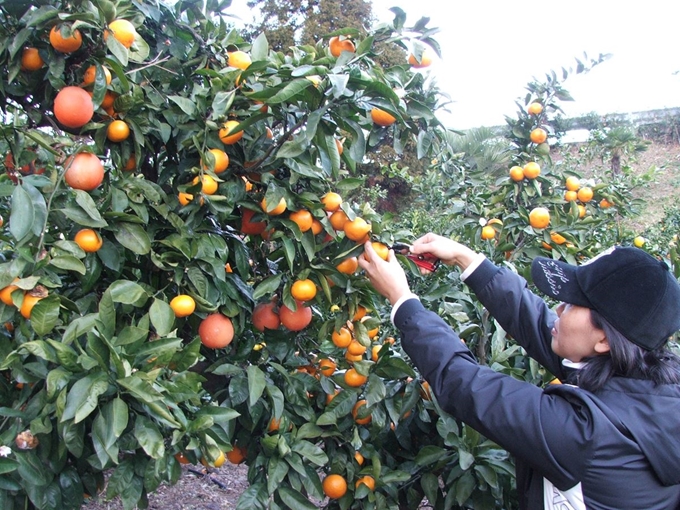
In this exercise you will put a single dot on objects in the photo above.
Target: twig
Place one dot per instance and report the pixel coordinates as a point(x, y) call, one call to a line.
point(207, 475)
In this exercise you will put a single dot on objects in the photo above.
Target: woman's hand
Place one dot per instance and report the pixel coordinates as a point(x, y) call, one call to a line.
point(388, 277)
point(447, 250)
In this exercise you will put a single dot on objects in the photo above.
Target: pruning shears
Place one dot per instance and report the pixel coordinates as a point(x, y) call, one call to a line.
point(425, 261)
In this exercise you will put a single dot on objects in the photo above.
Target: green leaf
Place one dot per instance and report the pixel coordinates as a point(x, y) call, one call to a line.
point(293, 499)
point(430, 455)
point(162, 317)
point(79, 326)
point(291, 89)
point(256, 384)
point(68, 263)
point(32, 468)
point(87, 204)
point(187, 105)
point(267, 287)
point(119, 51)
point(465, 459)
point(311, 452)
point(133, 237)
point(7, 465)
point(149, 437)
point(293, 148)
point(221, 104)
point(127, 292)
point(83, 397)
point(23, 216)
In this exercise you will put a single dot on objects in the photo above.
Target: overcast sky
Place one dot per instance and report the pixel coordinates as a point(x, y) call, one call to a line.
point(492, 48)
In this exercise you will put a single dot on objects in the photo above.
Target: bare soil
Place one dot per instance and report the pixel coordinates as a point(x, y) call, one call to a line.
point(219, 489)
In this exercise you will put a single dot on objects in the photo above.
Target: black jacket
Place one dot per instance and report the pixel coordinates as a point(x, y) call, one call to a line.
point(622, 444)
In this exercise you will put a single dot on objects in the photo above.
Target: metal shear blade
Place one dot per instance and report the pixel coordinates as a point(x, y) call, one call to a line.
point(424, 260)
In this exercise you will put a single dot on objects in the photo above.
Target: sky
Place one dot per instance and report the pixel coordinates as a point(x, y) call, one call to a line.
point(491, 49)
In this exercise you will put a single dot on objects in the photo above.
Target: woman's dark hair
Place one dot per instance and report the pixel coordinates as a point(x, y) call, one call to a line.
point(628, 360)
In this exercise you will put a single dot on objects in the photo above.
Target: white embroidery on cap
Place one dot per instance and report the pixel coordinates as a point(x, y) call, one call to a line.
point(608, 251)
point(554, 275)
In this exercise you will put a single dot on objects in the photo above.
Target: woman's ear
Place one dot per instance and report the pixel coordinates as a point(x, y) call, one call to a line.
point(602, 346)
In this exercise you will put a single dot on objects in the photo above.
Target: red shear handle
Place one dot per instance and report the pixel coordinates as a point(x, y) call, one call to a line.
point(424, 260)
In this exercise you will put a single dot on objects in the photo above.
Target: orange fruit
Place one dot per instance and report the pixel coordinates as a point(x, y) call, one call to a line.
point(219, 461)
point(88, 240)
point(216, 331)
point(381, 250)
point(639, 241)
point(6, 294)
point(248, 185)
point(221, 160)
point(354, 378)
point(557, 238)
point(535, 108)
point(338, 220)
point(331, 201)
point(91, 74)
point(183, 305)
point(264, 317)
point(517, 173)
point(382, 118)
point(339, 146)
point(348, 266)
point(572, 183)
point(570, 196)
point(367, 480)
point(131, 164)
point(356, 348)
point(73, 107)
point(185, 198)
point(355, 411)
point(181, 458)
point(251, 227)
point(539, 217)
point(31, 60)
point(123, 31)
point(109, 98)
point(27, 305)
point(425, 390)
point(303, 290)
point(375, 350)
point(274, 424)
point(208, 184)
point(353, 357)
point(238, 59)
point(360, 313)
point(605, 204)
point(356, 229)
point(581, 210)
point(425, 60)
point(389, 340)
point(538, 135)
point(585, 194)
point(337, 46)
point(279, 209)
point(371, 332)
point(532, 170)
point(317, 227)
point(227, 135)
point(341, 338)
point(118, 131)
point(67, 44)
point(295, 320)
point(302, 218)
point(327, 367)
point(236, 455)
point(84, 171)
point(359, 458)
point(334, 486)
point(488, 232)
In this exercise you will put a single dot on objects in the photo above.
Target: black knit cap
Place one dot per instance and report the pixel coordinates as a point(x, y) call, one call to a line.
point(632, 290)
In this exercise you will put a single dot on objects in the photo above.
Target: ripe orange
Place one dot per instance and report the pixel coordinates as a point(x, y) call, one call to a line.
point(372, 333)
point(382, 118)
point(31, 60)
point(227, 134)
point(91, 74)
point(334, 486)
point(183, 305)
point(341, 338)
point(535, 108)
point(27, 305)
point(381, 250)
point(123, 31)
point(6, 294)
point(219, 461)
point(356, 229)
point(303, 219)
point(425, 60)
point(488, 232)
point(331, 396)
point(131, 164)
point(539, 217)
point(572, 183)
point(185, 198)
point(73, 107)
point(317, 227)
point(360, 313)
point(109, 99)
point(327, 367)
point(352, 357)
point(208, 184)
point(538, 135)
point(425, 390)
point(274, 424)
point(264, 317)
point(239, 59)
point(251, 227)
point(337, 46)
point(367, 480)
point(331, 201)
point(303, 290)
point(118, 131)
point(67, 44)
point(216, 331)
point(181, 458)
point(356, 348)
point(605, 204)
point(339, 146)
point(295, 320)
point(84, 171)
point(236, 455)
point(279, 209)
point(359, 458)
point(557, 238)
point(375, 350)
point(348, 266)
point(338, 220)
point(355, 411)
point(354, 378)
point(581, 210)
point(532, 170)
point(517, 173)
point(88, 240)
point(221, 160)
point(570, 196)
point(585, 194)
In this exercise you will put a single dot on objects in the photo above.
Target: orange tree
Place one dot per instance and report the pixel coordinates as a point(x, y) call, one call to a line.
point(194, 160)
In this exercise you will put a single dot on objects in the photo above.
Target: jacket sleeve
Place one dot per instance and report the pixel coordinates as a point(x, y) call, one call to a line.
point(539, 428)
point(520, 312)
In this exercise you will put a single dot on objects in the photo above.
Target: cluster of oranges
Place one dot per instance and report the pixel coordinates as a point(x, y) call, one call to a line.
point(27, 298)
point(530, 171)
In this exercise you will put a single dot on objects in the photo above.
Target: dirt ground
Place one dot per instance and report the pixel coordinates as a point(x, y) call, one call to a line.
point(220, 488)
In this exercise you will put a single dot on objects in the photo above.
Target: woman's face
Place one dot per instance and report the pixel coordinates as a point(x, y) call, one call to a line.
point(573, 335)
